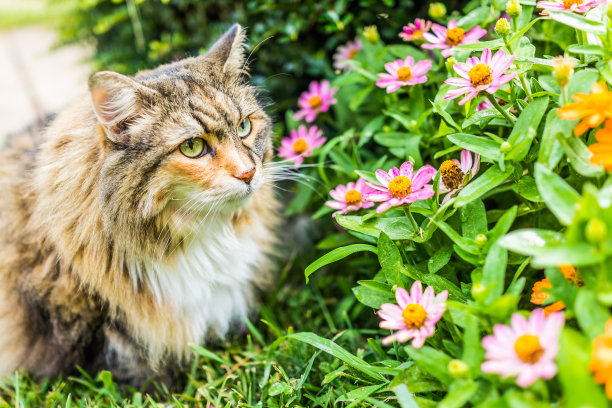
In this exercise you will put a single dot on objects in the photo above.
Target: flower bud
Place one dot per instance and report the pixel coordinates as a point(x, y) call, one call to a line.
point(596, 231)
point(458, 368)
point(394, 288)
point(505, 147)
point(478, 289)
point(450, 63)
point(437, 10)
point(371, 34)
point(480, 240)
point(563, 68)
point(502, 27)
point(513, 8)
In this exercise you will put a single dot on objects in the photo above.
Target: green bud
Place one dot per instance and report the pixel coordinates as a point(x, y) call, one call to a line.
point(371, 34)
point(458, 368)
point(386, 128)
point(502, 27)
point(480, 240)
point(596, 231)
point(478, 289)
point(513, 8)
point(505, 147)
point(394, 288)
point(450, 63)
point(437, 10)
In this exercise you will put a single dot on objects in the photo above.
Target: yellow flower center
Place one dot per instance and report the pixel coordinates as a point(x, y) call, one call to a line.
point(352, 197)
point(480, 74)
point(452, 176)
point(414, 316)
point(404, 73)
point(569, 3)
point(400, 186)
point(315, 102)
point(352, 53)
point(454, 36)
point(417, 34)
point(528, 348)
point(300, 146)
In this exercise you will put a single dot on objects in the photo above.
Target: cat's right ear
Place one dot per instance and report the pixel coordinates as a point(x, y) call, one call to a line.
point(117, 101)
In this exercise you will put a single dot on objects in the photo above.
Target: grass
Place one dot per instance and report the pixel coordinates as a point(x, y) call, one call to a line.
point(19, 13)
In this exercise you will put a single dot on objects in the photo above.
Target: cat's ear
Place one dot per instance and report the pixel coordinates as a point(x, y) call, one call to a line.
point(228, 51)
point(117, 100)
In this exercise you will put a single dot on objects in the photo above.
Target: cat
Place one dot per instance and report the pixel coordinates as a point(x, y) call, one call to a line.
point(142, 220)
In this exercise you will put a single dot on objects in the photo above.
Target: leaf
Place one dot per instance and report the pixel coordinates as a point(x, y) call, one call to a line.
point(587, 49)
point(466, 244)
point(373, 293)
point(525, 129)
point(480, 115)
point(530, 241)
point(526, 187)
point(477, 144)
point(404, 397)
point(479, 46)
point(494, 272)
point(390, 259)
point(550, 150)
point(336, 255)
point(579, 155)
point(432, 361)
point(491, 178)
point(473, 219)
point(459, 394)
point(439, 259)
point(560, 198)
point(591, 315)
point(578, 22)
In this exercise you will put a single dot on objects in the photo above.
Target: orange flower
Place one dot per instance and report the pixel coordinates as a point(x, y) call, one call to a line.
point(594, 108)
point(601, 358)
point(541, 290)
point(602, 150)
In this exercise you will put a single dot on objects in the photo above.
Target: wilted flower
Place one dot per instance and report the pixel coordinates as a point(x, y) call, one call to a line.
point(602, 149)
point(318, 98)
point(346, 53)
point(601, 358)
point(454, 175)
point(300, 144)
point(445, 38)
point(478, 75)
point(403, 72)
point(594, 108)
point(414, 32)
point(350, 198)
point(563, 68)
point(526, 349)
point(576, 6)
point(402, 186)
point(415, 315)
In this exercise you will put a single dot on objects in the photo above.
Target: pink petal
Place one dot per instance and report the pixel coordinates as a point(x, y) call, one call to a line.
point(384, 177)
point(423, 176)
point(406, 170)
point(466, 161)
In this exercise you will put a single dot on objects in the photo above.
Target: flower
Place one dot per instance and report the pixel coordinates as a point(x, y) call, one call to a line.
point(445, 38)
point(576, 6)
point(602, 150)
point(454, 174)
point(371, 34)
point(478, 75)
point(563, 68)
point(401, 186)
point(513, 8)
point(526, 349)
point(300, 144)
point(541, 290)
point(401, 73)
point(346, 53)
point(350, 197)
point(318, 98)
point(414, 32)
point(502, 27)
point(415, 315)
point(601, 358)
point(594, 108)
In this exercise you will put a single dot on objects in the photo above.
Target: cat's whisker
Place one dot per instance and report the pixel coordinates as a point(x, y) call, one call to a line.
point(246, 62)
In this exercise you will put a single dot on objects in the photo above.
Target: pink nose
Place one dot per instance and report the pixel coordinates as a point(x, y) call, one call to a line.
point(247, 176)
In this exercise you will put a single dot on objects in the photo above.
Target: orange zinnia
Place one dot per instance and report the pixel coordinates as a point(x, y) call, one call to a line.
point(602, 150)
point(594, 108)
point(601, 358)
point(542, 288)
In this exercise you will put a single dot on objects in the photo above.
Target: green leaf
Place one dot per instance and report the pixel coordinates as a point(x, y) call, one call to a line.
point(480, 115)
point(525, 129)
point(530, 241)
point(336, 255)
point(439, 259)
point(579, 155)
point(578, 22)
point(560, 198)
point(587, 49)
point(390, 259)
point(459, 394)
point(466, 244)
point(479, 46)
point(482, 145)
point(591, 315)
point(494, 272)
point(404, 397)
point(473, 219)
point(432, 361)
point(550, 150)
point(373, 293)
point(526, 187)
point(484, 183)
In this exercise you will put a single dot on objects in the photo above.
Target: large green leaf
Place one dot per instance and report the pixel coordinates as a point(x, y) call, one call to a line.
point(484, 183)
point(560, 198)
point(494, 272)
point(482, 145)
point(336, 255)
point(578, 22)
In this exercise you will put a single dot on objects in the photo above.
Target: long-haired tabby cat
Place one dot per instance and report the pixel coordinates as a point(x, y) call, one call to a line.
point(139, 222)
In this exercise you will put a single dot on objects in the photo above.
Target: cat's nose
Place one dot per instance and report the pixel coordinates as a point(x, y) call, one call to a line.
point(247, 176)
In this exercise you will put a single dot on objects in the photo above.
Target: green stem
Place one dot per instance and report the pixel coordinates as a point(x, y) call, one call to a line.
point(522, 75)
point(509, 117)
point(415, 226)
point(579, 38)
point(514, 24)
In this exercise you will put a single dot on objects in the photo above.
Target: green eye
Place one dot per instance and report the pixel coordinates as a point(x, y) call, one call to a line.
point(245, 128)
point(194, 148)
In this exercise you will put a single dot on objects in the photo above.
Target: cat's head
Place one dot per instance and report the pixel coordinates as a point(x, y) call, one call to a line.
point(194, 132)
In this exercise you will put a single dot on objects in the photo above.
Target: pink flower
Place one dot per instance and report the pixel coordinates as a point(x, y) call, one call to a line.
point(350, 197)
point(455, 175)
point(401, 186)
point(402, 73)
point(346, 53)
point(576, 6)
point(300, 144)
point(526, 349)
point(318, 98)
point(414, 32)
point(415, 315)
point(446, 38)
point(485, 104)
point(478, 75)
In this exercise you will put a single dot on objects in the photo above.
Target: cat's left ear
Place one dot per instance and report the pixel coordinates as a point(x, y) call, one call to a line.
point(228, 51)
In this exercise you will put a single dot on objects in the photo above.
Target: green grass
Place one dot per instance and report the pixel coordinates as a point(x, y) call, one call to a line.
point(19, 13)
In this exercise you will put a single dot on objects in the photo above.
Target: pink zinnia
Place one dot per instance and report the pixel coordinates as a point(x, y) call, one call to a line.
point(346, 53)
point(300, 144)
point(402, 73)
point(318, 98)
point(576, 6)
point(414, 32)
point(446, 38)
point(401, 186)
point(350, 197)
point(526, 349)
point(454, 175)
point(415, 315)
point(478, 75)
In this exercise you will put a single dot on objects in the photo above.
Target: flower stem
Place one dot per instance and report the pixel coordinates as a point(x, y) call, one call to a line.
point(509, 117)
point(415, 226)
point(580, 40)
point(522, 75)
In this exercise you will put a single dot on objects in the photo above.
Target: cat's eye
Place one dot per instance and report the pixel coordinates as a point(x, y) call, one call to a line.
point(194, 148)
point(245, 128)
